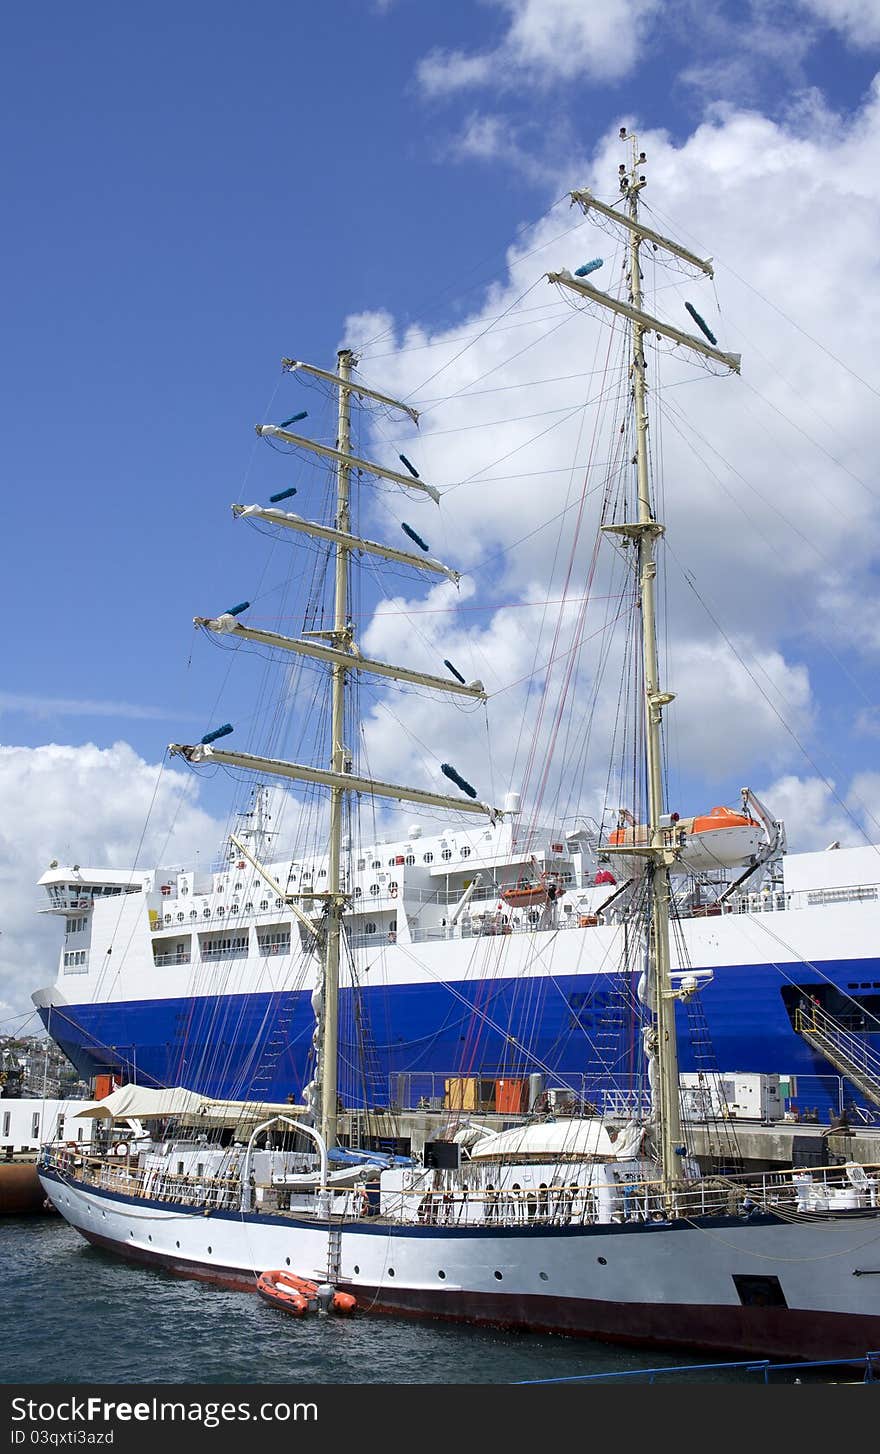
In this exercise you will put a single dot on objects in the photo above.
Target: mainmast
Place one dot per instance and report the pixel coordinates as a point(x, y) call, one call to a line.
point(649, 531)
point(661, 845)
point(339, 651)
point(341, 639)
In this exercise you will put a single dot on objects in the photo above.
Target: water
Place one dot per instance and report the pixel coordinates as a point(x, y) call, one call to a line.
point(74, 1314)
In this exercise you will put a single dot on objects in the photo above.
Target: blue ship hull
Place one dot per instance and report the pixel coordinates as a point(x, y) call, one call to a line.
point(579, 1031)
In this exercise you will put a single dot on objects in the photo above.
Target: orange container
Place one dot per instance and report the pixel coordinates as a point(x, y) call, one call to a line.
point(103, 1086)
point(509, 1095)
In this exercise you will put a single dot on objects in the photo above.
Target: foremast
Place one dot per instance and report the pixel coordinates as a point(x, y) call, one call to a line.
point(339, 651)
point(660, 848)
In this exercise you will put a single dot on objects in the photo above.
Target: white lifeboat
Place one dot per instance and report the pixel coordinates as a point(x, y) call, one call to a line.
point(721, 838)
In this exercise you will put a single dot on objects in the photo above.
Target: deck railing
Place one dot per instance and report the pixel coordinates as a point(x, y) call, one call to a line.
point(794, 1196)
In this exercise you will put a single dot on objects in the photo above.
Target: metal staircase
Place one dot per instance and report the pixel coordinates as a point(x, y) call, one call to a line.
point(276, 1044)
point(849, 1053)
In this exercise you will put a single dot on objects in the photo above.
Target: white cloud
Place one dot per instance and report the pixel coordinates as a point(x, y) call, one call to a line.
point(772, 513)
point(548, 41)
point(857, 20)
point(89, 805)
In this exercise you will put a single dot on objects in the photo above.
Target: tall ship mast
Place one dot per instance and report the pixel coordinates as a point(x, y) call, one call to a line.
point(338, 649)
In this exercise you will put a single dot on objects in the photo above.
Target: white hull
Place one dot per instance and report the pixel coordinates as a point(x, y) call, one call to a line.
point(767, 1287)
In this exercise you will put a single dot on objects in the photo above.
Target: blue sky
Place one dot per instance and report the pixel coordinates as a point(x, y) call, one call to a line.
point(193, 192)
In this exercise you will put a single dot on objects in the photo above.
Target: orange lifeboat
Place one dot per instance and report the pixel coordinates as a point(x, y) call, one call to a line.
point(721, 838)
point(527, 894)
point(298, 1295)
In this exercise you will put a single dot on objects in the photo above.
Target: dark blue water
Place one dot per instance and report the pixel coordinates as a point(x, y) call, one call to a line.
point(74, 1314)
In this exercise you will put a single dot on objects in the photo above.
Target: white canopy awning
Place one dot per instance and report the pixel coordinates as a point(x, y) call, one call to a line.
point(582, 1138)
point(142, 1103)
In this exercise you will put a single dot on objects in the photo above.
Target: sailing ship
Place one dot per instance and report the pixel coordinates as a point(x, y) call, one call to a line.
point(564, 1223)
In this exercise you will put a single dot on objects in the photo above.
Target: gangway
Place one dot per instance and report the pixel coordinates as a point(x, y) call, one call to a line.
point(850, 1053)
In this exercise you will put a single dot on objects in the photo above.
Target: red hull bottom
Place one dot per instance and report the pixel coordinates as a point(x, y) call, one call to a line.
point(780, 1333)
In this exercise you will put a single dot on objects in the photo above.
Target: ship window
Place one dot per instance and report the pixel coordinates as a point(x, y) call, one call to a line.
point(168, 917)
point(180, 918)
point(248, 908)
point(370, 928)
point(498, 1274)
point(184, 888)
point(392, 887)
point(374, 888)
point(392, 927)
point(376, 863)
point(427, 858)
point(322, 873)
point(193, 913)
point(278, 903)
point(465, 852)
point(221, 911)
point(238, 887)
point(447, 853)
point(264, 903)
point(390, 863)
point(236, 909)
point(357, 893)
point(410, 858)
point(207, 913)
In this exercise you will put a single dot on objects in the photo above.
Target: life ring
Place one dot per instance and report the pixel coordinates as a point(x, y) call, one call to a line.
point(365, 1202)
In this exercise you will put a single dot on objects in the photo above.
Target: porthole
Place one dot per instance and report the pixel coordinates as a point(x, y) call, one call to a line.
point(287, 1260)
point(391, 1272)
point(369, 928)
point(180, 918)
point(167, 918)
point(149, 1236)
point(278, 903)
point(221, 911)
point(322, 873)
point(498, 1274)
point(193, 913)
point(465, 852)
point(358, 893)
point(206, 913)
point(410, 858)
point(209, 1251)
point(427, 858)
point(238, 888)
point(377, 863)
point(442, 1275)
point(236, 908)
point(544, 1276)
point(602, 1261)
point(447, 853)
point(374, 889)
point(356, 1268)
point(249, 908)
point(393, 886)
point(177, 1244)
point(264, 903)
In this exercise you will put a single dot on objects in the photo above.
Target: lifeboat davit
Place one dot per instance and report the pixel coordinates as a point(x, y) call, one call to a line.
point(298, 1295)
point(530, 893)
point(721, 838)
